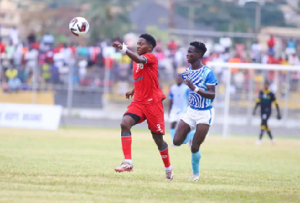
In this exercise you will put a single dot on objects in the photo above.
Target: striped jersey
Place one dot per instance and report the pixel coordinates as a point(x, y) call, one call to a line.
point(201, 78)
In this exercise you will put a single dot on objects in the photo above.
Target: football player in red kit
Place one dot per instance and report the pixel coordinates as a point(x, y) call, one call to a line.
point(146, 104)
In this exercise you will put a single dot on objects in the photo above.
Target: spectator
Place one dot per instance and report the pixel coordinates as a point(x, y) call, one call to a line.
point(293, 59)
point(22, 74)
point(11, 73)
point(14, 84)
point(271, 44)
point(49, 57)
point(2, 47)
point(48, 39)
point(47, 42)
point(236, 59)
point(31, 58)
point(46, 74)
point(10, 49)
point(226, 43)
point(17, 56)
point(54, 74)
point(172, 46)
point(14, 35)
point(256, 52)
point(31, 38)
point(82, 69)
point(290, 47)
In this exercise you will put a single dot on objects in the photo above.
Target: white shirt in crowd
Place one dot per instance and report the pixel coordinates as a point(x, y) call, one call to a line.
point(14, 36)
point(67, 55)
point(82, 68)
point(255, 50)
point(225, 42)
point(32, 58)
point(219, 48)
point(48, 39)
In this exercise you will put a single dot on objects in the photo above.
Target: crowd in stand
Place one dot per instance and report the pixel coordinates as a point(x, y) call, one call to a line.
point(47, 63)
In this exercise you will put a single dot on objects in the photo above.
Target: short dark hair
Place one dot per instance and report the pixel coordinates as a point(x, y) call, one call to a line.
point(200, 47)
point(267, 82)
point(149, 38)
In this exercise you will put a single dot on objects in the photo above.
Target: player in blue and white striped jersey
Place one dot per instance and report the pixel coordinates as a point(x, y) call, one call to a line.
point(202, 81)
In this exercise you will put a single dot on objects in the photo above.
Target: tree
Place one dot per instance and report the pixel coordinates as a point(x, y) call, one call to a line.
point(108, 18)
point(220, 14)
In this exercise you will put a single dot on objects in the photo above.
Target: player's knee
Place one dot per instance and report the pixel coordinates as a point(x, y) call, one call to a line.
point(194, 148)
point(177, 142)
point(125, 126)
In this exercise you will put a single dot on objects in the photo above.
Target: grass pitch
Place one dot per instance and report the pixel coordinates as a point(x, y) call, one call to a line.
point(76, 165)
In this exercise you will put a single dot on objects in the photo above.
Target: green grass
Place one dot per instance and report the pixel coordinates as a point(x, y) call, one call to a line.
point(76, 165)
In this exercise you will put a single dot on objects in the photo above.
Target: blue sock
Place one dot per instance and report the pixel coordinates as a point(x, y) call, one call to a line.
point(196, 162)
point(189, 137)
point(172, 132)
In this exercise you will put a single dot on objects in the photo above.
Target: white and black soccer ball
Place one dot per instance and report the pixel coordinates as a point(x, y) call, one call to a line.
point(79, 26)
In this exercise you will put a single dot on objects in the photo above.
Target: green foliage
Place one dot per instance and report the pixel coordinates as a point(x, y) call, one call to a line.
point(159, 34)
point(108, 19)
point(219, 14)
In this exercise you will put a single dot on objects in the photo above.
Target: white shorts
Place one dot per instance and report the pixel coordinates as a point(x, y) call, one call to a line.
point(175, 117)
point(194, 117)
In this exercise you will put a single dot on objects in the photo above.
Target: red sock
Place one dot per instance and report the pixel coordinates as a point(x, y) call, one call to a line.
point(165, 157)
point(126, 145)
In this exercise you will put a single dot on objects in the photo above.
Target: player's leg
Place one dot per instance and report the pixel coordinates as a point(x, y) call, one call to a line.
point(183, 132)
point(199, 137)
point(268, 129)
point(164, 153)
point(262, 128)
point(189, 137)
point(173, 128)
point(131, 117)
point(203, 120)
point(156, 123)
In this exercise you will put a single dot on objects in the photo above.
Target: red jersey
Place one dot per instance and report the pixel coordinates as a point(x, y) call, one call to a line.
point(146, 86)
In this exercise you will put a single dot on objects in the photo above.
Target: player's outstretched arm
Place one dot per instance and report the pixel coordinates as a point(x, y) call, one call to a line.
point(134, 56)
point(209, 94)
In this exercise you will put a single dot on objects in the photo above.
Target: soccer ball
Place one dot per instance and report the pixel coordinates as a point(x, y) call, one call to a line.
point(79, 26)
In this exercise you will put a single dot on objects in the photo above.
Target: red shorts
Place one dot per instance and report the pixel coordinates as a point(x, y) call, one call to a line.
point(154, 114)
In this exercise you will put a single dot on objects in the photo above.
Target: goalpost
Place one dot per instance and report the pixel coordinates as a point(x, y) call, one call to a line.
point(241, 83)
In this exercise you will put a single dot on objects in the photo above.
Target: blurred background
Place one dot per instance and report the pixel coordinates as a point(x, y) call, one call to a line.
point(43, 63)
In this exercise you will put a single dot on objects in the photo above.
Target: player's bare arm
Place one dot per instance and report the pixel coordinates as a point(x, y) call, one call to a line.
point(134, 56)
point(256, 106)
point(209, 94)
point(278, 111)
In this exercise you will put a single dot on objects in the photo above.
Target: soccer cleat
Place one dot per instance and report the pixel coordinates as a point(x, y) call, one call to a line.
point(273, 141)
point(194, 178)
point(125, 166)
point(258, 142)
point(169, 174)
